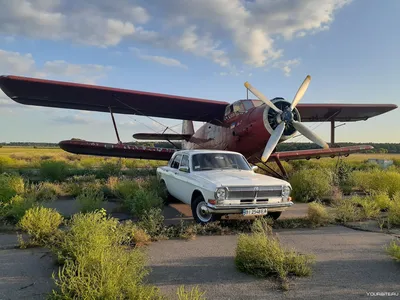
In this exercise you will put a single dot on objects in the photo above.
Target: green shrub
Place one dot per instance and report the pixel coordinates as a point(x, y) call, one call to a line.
point(126, 190)
point(89, 234)
point(74, 185)
point(6, 163)
point(318, 214)
point(53, 170)
point(97, 264)
point(311, 184)
point(394, 250)
point(369, 208)
point(261, 254)
point(193, 294)
point(347, 211)
point(16, 208)
point(115, 274)
point(90, 199)
point(44, 191)
point(131, 234)
point(108, 169)
point(152, 184)
point(40, 223)
point(377, 181)
point(382, 200)
point(144, 201)
point(394, 213)
point(10, 186)
point(152, 221)
point(264, 256)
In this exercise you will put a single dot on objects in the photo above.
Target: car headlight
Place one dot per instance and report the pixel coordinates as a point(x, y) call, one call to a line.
point(220, 194)
point(286, 192)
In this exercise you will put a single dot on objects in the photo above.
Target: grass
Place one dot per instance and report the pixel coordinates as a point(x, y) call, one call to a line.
point(41, 224)
point(193, 294)
point(307, 188)
point(394, 250)
point(318, 215)
point(96, 263)
point(90, 199)
point(261, 254)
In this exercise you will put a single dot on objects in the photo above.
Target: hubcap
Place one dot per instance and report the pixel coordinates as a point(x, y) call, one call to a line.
point(201, 214)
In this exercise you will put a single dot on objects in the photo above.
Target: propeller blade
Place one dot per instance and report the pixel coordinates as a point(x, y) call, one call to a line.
point(260, 96)
point(309, 134)
point(301, 91)
point(273, 141)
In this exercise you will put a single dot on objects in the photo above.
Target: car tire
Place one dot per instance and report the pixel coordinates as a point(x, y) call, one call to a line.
point(200, 217)
point(274, 215)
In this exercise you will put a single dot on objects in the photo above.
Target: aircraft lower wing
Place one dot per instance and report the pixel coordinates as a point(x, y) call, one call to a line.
point(116, 150)
point(318, 153)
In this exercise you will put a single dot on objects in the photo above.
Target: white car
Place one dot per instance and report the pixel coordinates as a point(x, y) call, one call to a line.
point(215, 183)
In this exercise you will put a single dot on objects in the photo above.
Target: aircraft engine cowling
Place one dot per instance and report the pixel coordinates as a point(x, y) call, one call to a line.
point(271, 118)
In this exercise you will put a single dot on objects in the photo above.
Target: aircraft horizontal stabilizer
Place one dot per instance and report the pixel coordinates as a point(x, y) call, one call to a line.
point(162, 136)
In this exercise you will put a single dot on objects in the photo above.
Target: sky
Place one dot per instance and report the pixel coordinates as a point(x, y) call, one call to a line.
point(203, 49)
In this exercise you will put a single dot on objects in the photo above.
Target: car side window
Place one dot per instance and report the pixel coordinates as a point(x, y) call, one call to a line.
point(185, 161)
point(176, 161)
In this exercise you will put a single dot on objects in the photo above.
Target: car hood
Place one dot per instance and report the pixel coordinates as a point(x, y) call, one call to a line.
point(238, 178)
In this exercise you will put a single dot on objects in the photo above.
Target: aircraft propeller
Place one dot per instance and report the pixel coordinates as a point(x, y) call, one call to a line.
point(286, 117)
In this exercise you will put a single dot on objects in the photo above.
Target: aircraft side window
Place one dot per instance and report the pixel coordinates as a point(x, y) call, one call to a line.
point(238, 107)
point(176, 161)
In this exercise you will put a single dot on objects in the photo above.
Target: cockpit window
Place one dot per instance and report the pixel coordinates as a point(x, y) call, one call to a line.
point(248, 104)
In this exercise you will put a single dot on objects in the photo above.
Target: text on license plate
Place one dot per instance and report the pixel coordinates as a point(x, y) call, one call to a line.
point(255, 211)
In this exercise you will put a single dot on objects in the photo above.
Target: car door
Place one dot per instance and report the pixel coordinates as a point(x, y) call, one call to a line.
point(183, 178)
point(172, 181)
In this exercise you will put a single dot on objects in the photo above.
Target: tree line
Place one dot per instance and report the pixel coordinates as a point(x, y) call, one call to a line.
point(378, 147)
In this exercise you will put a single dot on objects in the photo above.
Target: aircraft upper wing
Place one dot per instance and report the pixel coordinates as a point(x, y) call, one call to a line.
point(310, 112)
point(59, 94)
point(40, 92)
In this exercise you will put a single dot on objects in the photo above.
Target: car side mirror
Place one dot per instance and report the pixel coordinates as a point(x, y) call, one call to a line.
point(254, 168)
point(184, 169)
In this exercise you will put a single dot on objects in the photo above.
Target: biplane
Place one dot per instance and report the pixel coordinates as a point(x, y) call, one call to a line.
point(253, 127)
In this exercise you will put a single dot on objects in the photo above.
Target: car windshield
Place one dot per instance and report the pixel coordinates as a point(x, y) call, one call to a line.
point(211, 161)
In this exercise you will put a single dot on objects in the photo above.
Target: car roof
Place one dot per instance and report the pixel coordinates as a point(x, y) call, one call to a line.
point(199, 151)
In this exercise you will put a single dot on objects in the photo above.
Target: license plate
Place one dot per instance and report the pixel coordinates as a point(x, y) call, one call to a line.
point(254, 211)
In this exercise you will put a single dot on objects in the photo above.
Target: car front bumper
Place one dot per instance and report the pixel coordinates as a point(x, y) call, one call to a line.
point(237, 209)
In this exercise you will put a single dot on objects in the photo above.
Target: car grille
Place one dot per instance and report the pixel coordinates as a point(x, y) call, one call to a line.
point(263, 192)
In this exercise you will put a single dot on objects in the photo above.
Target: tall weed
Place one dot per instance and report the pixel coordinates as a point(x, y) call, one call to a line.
point(311, 184)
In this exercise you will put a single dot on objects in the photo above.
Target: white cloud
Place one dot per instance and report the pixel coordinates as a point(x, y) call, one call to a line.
point(228, 32)
point(287, 65)
point(191, 42)
point(16, 63)
point(71, 119)
point(163, 60)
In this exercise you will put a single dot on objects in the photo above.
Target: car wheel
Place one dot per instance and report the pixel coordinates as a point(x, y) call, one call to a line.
point(199, 215)
point(274, 215)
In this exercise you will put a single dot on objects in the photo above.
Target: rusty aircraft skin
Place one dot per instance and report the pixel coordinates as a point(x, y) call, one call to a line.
point(251, 127)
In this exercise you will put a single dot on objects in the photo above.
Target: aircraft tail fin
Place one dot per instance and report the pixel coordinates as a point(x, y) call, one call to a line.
point(187, 129)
